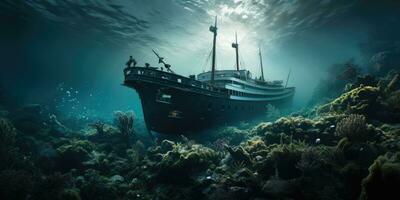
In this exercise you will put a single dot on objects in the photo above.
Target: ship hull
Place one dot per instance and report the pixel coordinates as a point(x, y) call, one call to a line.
point(190, 111)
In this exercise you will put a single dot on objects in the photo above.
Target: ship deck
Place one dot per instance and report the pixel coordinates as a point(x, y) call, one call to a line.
point(176, 104)
point(223, 87)
point(172, 80)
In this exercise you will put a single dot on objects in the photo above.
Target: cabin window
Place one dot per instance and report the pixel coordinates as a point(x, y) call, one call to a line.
point(179, 80)
point(163, 97)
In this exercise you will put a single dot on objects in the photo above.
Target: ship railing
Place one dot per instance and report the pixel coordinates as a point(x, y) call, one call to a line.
point(154, 73)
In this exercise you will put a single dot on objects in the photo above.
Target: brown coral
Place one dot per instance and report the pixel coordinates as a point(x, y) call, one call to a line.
point(354, 127)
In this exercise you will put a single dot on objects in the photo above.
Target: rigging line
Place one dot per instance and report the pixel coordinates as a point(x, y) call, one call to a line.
point(203, 67)
point(242, 63)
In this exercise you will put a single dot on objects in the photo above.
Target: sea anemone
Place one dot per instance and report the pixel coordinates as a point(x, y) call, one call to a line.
point(353, 127)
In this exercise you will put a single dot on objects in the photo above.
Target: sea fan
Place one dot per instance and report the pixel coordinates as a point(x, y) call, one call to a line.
point(124, 122)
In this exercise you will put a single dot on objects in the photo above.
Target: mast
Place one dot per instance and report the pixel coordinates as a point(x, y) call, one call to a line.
point(213, 29)
point(236, 47)
point(261, 64)
point(288, 76)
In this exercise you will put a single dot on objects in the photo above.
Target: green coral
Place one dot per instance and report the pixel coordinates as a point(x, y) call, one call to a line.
point(254, 145)
point(383, 178)
point(361, 100)
point(289, 129)
point(182, 161)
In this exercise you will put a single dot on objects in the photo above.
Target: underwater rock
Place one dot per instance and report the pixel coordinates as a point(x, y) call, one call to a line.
point(394, 83)
point(56, 125)
point(361, 100)
point(246, 177)
point(99, 126)
point(51, 186)
point(360, 153)
point(362, 80)
point(46, 155)
point(285, 157)
point(315, 161)
point(383, 178)
point(73, 154)
point(278, 188)
point(239, 155)
point(231, 135)
point(96, 185)
point(167, 145)
point(98, 161)
point(391, 137)
point(117, 179)
point(394, 100)
point(31, 119)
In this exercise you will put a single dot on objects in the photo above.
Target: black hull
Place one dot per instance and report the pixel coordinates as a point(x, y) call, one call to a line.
point(190, 111)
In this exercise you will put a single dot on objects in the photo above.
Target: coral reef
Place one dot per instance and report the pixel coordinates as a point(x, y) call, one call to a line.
point(347, 148)
point(181, 161)
point(383, 178)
